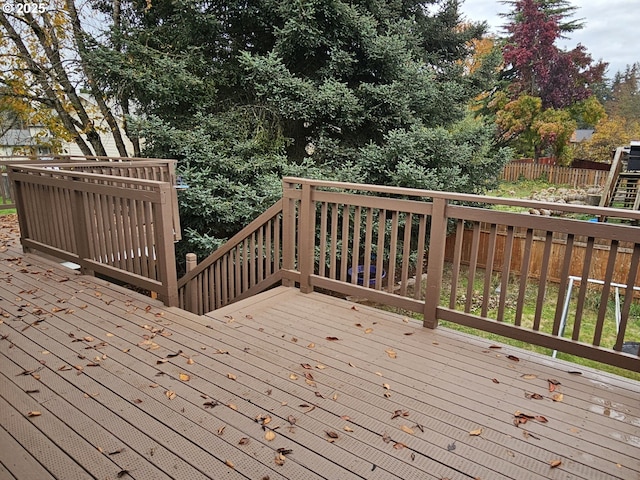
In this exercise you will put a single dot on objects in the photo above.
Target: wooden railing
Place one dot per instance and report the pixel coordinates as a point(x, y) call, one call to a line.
point(247, 264)
point(389, 244)
point(117, 226)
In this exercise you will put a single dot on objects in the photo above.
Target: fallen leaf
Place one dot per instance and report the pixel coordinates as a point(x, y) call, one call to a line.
point(122, 473)
point(190, 361)
point(495, 380)
point(332, 339)
point(293, 376)
point(306, 365)
point(232, 406)
point(210, 404)
point(184, 377)
point(555, 463)
point(386, 438)
point(243, 441)
point(391, 353)
point(541, 419)
point(221, 429)
point(331, 434)
point(496, 347)
point(399, 445)
point(321, 367)
point(513, 357)
point(574, 373)
point(280, 459)
point(529, 376)
point(475, 433)
point(170, 394)
point(311, 345)
point(34, 413)
point(115, 452)
point(229, 464)
point(386, 386)
point(354, 308)
point(291, 419)
point(269, 435)
point(231, 376)
point(318, 394)
point(347, 428)
point(368, 330)
point(406, 429)
point(352, 365)
point(411, 333)
point(557, 397)
point(534, 396)
point(137, 400)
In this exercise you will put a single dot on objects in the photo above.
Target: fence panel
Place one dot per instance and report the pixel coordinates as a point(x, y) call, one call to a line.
point(576, 177)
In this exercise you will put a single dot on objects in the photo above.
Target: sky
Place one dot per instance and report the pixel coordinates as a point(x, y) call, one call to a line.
point(611, 32)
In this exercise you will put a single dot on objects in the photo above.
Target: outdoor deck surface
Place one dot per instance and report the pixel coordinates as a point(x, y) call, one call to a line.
point(122, 387)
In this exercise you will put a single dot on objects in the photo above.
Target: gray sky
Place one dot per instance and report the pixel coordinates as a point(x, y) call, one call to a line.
point(611, 32)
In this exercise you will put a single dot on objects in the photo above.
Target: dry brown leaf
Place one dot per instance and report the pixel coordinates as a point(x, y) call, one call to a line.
point(386, 386)
point(347, 428)
point(321, 367)
point(292, 420)
point(354, 308)
point(406, 429)
point(230, 464)
point(311, 345)
point(495, 380)
point(293, 376)
point(541, 419)
point(513, 358)
point(534, 396)
point(391, 353)
point(557, 397)
point(232, 406)
point(243, 441)
point(34, 413)
point(331, 434)
point(528, 376)
point(399, 445)
point(475, 433)
point(185, 377)
point(555, 463)
point(221, 429)
point(280, 459)
point(386, 438)
point(368, 330)
point(306, 365)
point(496, 347)
point(352, 365)
point(231, 376)
point(170, 394)
point(269, 435)
point(332, 339)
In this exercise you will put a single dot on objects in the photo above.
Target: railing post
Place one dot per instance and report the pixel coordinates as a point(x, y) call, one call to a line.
point(165, 251)
point(306, 238)
point(191, 294)
point(435, 265)
point(288, 232)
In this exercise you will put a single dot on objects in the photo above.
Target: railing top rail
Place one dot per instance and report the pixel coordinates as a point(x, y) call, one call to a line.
point(75, 158)
point(466, 197)
point(48, 172)
point(69, 165)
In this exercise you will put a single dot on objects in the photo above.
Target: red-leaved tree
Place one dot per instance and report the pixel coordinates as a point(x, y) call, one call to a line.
point(538, 67)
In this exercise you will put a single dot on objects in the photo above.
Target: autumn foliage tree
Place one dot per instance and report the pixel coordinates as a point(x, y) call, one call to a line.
point(538, 67)
point(43, 67)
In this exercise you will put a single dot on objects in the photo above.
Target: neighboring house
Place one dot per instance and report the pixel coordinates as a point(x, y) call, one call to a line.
point(23, 141)
point(581, 135)
point(28, 140)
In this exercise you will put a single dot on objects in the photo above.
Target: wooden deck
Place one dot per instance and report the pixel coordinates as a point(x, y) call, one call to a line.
point(122, 387)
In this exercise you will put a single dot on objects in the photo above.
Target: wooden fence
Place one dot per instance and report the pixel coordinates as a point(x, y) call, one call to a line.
point(375, 242)
point(576, 177)
point(117, 226)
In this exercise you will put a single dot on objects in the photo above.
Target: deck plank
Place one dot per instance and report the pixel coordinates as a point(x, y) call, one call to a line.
point(244, 355)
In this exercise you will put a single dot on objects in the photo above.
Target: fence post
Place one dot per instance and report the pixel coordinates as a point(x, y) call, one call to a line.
point(191, 294)
point(306, 238)
point(435, 261)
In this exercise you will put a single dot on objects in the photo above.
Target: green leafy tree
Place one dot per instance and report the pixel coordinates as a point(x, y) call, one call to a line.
point(244, 92)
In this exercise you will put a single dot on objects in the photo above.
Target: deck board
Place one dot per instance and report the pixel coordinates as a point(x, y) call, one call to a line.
point(249, 359)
